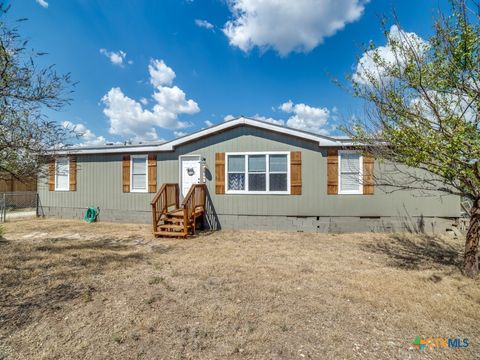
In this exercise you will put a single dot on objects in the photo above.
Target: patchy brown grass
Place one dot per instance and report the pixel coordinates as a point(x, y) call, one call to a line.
point(75, 290)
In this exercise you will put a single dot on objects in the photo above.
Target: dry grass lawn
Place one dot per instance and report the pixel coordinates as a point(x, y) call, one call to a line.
point(107, 291)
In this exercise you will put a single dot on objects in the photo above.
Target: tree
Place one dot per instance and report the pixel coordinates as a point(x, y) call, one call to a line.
point(422, 104)
point(26, 91)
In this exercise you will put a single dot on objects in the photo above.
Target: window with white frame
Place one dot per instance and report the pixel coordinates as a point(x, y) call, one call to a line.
point(278, 172)
point(350, 172)
point(62, 174)
point(258, 173)
point(138, 171)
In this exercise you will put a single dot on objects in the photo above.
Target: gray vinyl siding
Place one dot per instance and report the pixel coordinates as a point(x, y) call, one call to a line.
point(99, 183)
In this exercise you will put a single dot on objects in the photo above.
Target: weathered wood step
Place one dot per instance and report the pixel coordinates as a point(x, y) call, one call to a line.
point(170, 233)
point(180, 212)
point(172, 227)
point(176, 213)
point(174, 220)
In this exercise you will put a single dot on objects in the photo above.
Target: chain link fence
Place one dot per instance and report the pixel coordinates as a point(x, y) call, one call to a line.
point(18, 204)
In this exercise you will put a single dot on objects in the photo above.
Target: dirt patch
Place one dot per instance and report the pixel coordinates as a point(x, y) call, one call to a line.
point(75, 290)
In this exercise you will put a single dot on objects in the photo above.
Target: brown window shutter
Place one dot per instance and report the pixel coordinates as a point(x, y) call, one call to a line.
point(73, 173)
point(368, 183)
point(220, 173)
point(51, 174)
point(126, 173)
point(296, 173)
point(152, 173)
point(332, 171)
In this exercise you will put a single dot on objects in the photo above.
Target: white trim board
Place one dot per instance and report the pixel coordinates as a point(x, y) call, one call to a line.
point(56, 174)
point(360, 173)
point(267, 172)
point(323, 141)
point(132, 190)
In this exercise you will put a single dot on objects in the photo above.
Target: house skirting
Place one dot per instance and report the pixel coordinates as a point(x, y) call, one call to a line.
point(107, 215)
point(321, 224)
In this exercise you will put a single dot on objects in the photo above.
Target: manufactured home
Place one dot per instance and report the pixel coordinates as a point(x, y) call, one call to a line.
point(241, 174)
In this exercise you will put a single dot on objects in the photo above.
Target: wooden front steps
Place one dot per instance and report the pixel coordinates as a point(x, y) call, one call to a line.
point(173, 225)
point(179, 213)
point(173, 220)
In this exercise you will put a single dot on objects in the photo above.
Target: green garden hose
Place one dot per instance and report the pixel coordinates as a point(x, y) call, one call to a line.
point(91, 215)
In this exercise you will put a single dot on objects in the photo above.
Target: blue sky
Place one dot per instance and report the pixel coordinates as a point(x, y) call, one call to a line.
point(209, 58)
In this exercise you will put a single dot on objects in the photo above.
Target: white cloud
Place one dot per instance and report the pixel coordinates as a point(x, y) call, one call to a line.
point(116, 58)
point(374, 64)
point(445, 105)
point(42, 3)
point(204, 24)
point(286, 25)
point(307, 118)
point(144, 101)
point(173, 100)
point(160, 73)
point(208, 123)
point(257, 117)
point(87, 137)
point(302, 117)
point(129, 118)
point(179, 133)
point(269, 119)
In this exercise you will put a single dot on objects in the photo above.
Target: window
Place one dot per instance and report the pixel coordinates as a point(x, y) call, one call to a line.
point(138, 173)
point(278, 170)
point(258, 173)
point(350, 172)
point(62, 176)
point(236, 172)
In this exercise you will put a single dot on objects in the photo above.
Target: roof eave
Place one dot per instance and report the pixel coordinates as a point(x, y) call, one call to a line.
point(323, 141)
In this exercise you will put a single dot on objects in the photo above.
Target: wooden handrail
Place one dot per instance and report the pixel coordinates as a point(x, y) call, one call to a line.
point(194, 199)
point(167, 196)
point(159, 192)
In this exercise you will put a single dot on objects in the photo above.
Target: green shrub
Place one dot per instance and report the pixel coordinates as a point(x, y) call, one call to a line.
point(2, 231)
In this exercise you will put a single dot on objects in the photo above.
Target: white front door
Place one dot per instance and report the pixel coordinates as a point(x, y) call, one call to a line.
point(189, 172)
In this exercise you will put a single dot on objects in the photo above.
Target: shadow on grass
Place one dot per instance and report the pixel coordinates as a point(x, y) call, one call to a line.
point(103, 244)
point(414, 253)
point(203, 233)
point(39, 280)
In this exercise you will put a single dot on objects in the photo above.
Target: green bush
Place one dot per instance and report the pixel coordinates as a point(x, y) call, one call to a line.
point(2, 231)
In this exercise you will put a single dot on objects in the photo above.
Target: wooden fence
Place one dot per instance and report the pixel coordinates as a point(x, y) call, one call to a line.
point(9, 184)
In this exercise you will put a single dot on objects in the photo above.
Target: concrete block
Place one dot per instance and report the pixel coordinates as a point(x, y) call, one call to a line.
point(321, 224)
